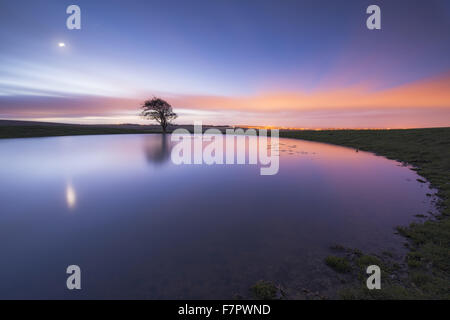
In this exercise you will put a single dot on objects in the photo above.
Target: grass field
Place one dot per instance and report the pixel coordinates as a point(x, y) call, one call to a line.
point(29, 129)
point(428, 151)
point(25, 129)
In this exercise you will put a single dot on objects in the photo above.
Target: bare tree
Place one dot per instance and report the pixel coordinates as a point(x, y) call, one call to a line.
point(159, 110)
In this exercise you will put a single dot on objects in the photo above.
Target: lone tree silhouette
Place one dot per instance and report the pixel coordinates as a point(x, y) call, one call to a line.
point(159, 110)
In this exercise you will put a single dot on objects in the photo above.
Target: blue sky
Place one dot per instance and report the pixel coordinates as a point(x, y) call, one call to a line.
point(200, 53)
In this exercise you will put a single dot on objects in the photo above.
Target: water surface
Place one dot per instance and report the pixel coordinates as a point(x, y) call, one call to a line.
point(142, 227)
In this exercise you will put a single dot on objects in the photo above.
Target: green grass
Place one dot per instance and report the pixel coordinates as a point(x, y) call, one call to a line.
point(338, 264)
point(428, 152)
point(264, 290)
point(366, 260)
point(28, 131)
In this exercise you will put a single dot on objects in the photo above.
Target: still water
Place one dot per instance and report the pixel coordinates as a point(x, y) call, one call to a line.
point(141, 227)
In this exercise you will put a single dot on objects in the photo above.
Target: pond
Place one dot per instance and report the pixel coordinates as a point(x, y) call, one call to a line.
point(142, 227)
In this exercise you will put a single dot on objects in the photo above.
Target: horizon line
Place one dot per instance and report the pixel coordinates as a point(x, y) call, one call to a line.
point(229, 126)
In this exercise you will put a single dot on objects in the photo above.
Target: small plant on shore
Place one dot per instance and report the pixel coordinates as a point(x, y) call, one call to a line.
point(366, 260)
point(264, 290)
point(338, 264)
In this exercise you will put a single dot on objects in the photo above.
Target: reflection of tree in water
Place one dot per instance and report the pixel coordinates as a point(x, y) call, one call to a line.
point(158, 152)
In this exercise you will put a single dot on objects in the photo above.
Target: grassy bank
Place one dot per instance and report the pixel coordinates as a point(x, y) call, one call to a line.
point(30, 129)
point(428, 151)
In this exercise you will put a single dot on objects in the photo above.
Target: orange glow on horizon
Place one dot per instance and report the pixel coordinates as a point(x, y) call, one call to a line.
point(315, 129)
point(420, 104)
point(427, 93)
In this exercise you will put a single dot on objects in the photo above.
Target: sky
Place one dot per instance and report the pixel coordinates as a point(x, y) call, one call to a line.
point(288, 63)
